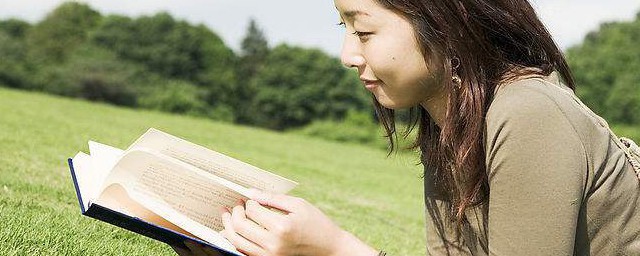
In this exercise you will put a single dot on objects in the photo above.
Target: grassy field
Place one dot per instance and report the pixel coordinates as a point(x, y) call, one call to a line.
point(377, 198)
point(631, 132)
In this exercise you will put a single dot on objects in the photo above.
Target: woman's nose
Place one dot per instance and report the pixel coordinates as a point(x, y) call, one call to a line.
point(351, 56)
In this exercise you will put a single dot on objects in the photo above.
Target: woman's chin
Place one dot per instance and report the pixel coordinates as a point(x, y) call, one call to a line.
point(389, 104)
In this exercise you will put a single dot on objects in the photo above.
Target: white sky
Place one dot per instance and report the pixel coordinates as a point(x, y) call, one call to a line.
point(311, 23)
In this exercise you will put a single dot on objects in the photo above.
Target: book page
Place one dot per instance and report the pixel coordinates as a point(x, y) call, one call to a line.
point(116, 198)
point(178, 192)
point(86, 183)
point(103, 158)
point(176, 219)
point(213, 162)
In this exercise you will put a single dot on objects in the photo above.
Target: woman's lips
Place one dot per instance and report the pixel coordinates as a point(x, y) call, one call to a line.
point(371, 84)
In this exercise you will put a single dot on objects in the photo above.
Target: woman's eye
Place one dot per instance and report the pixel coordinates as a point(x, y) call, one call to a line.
point(361, 34)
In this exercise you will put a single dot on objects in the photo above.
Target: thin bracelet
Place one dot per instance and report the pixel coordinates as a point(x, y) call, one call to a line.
point(382, 253)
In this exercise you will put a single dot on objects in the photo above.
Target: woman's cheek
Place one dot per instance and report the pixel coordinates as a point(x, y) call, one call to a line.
point(380, 65)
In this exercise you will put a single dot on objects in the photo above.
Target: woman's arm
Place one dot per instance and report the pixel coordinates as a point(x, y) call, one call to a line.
point(301, 229)
point(537, 173)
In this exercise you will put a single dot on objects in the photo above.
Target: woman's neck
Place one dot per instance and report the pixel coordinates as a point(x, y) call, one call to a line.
point(437, 108)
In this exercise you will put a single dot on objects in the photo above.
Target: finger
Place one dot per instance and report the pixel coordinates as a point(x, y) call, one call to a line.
point(226, 222)
point(247, 228)
point(263, 216)
point(278, 201)
point(242, 244)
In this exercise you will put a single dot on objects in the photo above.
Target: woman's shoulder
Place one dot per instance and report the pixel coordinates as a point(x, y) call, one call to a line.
point(540, 101)
point(532, 98)
point(543, 103)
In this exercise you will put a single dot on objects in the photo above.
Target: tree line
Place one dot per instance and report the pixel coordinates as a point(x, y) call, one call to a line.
point(606, 66)
point(159, 62)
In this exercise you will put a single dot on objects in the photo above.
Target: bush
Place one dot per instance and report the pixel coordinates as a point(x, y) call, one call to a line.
point(176, 97)
point(356, 127)
point(222, 113)
point(13, 71)
point(94, 74)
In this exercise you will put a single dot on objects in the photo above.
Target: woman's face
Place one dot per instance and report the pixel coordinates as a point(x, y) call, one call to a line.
point(382, 45)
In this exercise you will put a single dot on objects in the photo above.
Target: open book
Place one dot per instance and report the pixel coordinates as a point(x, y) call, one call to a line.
point(166, 188)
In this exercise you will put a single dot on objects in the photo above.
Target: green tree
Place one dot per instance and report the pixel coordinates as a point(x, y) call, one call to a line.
point(253, 55)
point(14, 27)
point(605, 66)
point(218, 75)
point(95, 74)
point(174, 49)
point(13, 70)
point(159, 42)
point(255, 50)
point(62, 30)
point(299, 85)
point(623, 102)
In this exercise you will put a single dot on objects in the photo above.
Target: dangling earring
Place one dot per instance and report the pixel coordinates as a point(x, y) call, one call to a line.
point(455, 64)
point(456, 80)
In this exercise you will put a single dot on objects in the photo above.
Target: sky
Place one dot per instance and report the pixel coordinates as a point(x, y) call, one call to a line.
point(312, 23)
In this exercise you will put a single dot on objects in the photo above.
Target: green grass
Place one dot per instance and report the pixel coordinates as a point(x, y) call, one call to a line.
point(377, 198)
point(631, 132)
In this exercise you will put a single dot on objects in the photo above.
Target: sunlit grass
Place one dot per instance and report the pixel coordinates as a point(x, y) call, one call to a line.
point(631, 132)
point(377, 198)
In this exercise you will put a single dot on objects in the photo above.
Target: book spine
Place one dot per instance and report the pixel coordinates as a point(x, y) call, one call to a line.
point(147, 229)
point(75, 184)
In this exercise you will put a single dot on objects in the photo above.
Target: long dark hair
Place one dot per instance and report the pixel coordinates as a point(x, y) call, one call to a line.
point(494, 41)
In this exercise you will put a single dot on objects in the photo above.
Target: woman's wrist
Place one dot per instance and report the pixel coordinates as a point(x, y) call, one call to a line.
point(348, 244)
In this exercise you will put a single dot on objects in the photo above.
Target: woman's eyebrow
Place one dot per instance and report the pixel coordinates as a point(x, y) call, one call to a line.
point(353, 13)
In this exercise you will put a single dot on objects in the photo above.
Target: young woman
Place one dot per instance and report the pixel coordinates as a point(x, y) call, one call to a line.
point(514, 165)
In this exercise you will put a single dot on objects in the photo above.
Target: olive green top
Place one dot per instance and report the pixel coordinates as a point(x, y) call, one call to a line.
point(559, 185)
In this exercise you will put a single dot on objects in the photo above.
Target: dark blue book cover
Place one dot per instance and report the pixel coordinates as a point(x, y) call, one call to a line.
point(137, 225)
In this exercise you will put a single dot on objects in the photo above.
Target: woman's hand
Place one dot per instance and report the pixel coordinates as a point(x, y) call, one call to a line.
point(301, 229)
